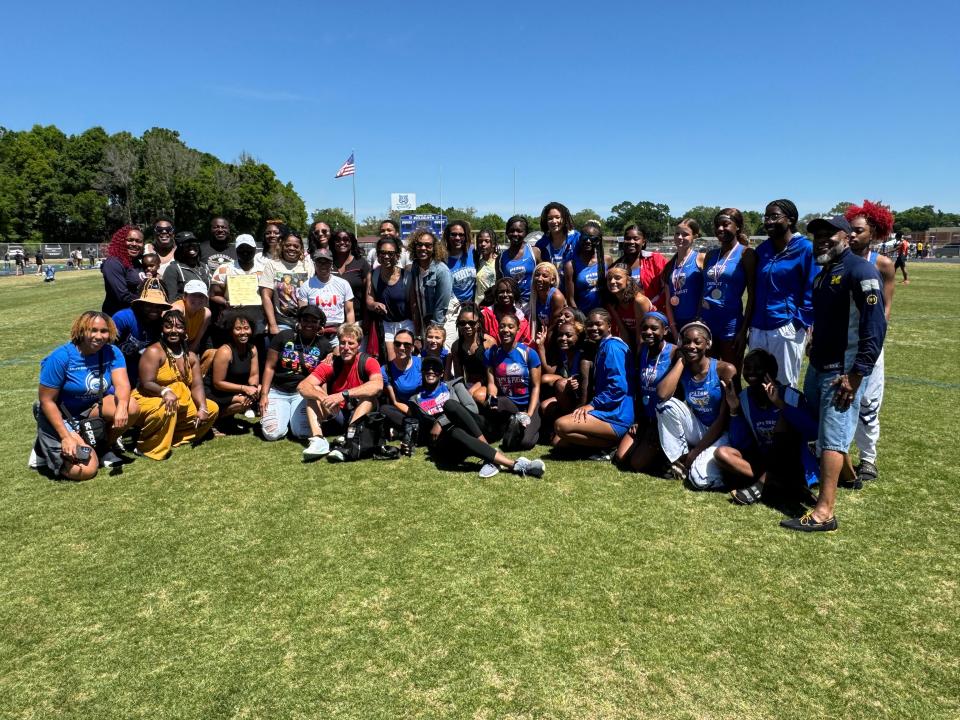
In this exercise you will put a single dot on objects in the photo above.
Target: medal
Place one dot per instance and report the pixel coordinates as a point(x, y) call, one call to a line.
point(674, 301)
point(716, 294)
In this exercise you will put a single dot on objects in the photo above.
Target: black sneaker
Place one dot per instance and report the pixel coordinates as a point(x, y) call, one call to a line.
point(866, 471)
point(806, 523)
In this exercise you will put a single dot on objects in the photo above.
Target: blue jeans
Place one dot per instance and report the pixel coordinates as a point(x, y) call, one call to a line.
point(836, 427)
point(285, 411)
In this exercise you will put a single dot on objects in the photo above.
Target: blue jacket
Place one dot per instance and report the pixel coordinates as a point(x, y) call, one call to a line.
point(613, 402)
point(849, 323)
point(433, 289)
point(784, 284)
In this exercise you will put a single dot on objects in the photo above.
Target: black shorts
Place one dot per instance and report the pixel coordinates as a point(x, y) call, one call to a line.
point(900, 262)
point(48, 444)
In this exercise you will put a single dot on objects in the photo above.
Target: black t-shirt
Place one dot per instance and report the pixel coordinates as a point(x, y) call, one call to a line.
point(215, 258)
point(295, 358)
point(356, 273)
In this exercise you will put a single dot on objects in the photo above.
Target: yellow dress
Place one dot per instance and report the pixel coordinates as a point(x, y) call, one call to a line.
point(159, 432)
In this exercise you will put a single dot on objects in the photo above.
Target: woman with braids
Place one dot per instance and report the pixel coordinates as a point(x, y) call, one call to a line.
point(122, 274)
point(646, 266)
point(466, 358)
point(559, 236)
point(272, 233)
point(174, 409)
point(683, 277)
point(727, 272)
point(519, 260)
point(234, 378)
point(280, 281)
point(82, 379)
point(506, 300)
point(546, 301)
point(461, 260)
point(625, 303)
point(640, 448)
point(583, 270)
point(431, 284)
point(783, 307)
point(513, 388)
point(351, 265)
point(388, 295)
point(605, 420)
point(485, 259)
point(693, 425)
point(564, 371)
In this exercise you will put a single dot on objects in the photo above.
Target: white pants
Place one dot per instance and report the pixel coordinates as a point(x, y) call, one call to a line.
point(679, 430)
point(786, 345)
point(450, 322)
point(868, 424)
point(285, 411)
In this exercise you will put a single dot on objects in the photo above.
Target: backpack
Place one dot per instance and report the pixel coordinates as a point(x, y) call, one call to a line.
point(362, 358)
point(364, 437)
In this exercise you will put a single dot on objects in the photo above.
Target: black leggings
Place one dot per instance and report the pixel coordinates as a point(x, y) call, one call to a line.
point(499, 416)
point(463, 431)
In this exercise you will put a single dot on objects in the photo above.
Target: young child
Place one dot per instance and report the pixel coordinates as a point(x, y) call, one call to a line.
point(433, 342)
point(151, 265)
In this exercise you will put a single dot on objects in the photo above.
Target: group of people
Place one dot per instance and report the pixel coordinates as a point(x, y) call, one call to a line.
point(458, 343)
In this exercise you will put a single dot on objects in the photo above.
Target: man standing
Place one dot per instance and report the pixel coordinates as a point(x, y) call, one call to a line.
point(163, 243)
point(903, 249)
point(871, 224)
point(848, 331)
point(185, 266)
point(218, 250)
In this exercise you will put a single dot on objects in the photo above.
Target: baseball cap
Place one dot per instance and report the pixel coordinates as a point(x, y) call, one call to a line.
point(245, 240)
point(195, 286)
point(837, 222)
point(323, 254)
point(185, 236)
point(431, 363)
point(312, 311)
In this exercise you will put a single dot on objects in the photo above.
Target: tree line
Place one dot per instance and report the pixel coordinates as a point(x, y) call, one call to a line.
point(56, 187)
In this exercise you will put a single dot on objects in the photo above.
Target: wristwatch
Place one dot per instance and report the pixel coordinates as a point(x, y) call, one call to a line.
point(346, 394)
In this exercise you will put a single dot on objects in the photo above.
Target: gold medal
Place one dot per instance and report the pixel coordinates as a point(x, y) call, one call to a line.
point(674, 301)
point(717, 294)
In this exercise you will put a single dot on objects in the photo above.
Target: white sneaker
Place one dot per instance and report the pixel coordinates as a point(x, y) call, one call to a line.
point(489, 470)
point(318, 447)
point(249, 414)
point(35, 462)
point(533, 468)
point(335, 456)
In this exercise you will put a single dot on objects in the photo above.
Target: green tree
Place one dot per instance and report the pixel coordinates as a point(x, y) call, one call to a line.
point(916, 218)
point(704, 215)
point(579, 218)
point(334, 217)
point(490, 221)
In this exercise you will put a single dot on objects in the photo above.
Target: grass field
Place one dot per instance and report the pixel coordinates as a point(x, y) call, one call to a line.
point(234, 582)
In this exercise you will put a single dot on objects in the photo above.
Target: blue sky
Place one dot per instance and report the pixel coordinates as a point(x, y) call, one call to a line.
point(686, 103)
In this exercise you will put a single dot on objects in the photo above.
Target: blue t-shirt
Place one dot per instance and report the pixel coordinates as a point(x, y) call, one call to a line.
point(464, 274)
point(511, 372)
point(405, 383)
point(558, 256)
point(431, 403)
point(652, 368)
point(76, 376)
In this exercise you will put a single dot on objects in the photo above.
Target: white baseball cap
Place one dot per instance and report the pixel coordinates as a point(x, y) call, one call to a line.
point(195, 286)
point(245, 240)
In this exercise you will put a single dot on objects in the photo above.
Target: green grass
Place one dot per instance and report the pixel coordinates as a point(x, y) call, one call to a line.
point(232, 581)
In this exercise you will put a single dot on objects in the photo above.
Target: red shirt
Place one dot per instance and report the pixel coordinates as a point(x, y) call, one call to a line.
point(491, 326)
point(349, 376)
point(651, 280)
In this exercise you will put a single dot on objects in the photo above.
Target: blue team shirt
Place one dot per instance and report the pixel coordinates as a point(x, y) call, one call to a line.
point(726, 277)
point(784, 284)
point(511, 371)
point(405, 383)
point(653, 368)
point(464, 275)
point(558, 257)
point(76, 376)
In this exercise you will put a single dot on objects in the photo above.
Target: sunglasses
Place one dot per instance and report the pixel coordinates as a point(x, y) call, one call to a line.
point(162, 229)
point(403, 344)
point(466, 322)
point(428, 246)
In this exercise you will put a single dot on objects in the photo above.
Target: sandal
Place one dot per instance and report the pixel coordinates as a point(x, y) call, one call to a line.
point(747, 495)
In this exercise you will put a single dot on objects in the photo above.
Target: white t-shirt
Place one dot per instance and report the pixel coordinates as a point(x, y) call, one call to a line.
point(285, 280)
point(331, 296)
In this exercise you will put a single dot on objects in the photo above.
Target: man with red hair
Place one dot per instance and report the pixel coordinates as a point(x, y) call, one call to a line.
point(871, 223)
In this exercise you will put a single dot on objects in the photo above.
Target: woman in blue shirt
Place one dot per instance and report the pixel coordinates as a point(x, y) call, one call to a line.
point(640, 448)
point(559, 236)
point(727, 272)
point(693, 425)
point(608, 416)
point(582, 271)
point(683, 277)
point(401, 379)
point(519, 260)
point(461, 260)
point(84, 378)
point(513, 388)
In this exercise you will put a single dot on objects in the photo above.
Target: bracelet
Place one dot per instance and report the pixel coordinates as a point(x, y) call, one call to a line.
point(166, 390)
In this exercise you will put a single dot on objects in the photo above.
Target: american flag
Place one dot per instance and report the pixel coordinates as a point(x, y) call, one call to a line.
point(348, 168)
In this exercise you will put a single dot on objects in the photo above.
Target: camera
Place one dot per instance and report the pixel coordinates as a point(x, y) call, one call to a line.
point(84, 452)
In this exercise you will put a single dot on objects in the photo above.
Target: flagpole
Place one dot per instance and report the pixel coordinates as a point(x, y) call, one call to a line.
point(354, 178)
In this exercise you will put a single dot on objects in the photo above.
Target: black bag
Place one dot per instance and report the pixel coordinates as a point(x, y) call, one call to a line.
point(513, 434)
point(364, 437)
point(93, 429)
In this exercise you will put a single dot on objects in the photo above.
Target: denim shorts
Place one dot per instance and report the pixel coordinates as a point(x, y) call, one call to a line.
point(836, 428)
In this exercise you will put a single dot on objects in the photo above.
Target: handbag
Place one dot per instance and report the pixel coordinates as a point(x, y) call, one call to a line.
point(92, 429)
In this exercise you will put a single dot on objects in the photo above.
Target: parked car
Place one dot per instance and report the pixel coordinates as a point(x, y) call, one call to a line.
point(52, 251)
point(949, 250)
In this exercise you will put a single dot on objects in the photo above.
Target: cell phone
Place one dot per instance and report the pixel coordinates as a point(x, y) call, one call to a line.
point(84, 452)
